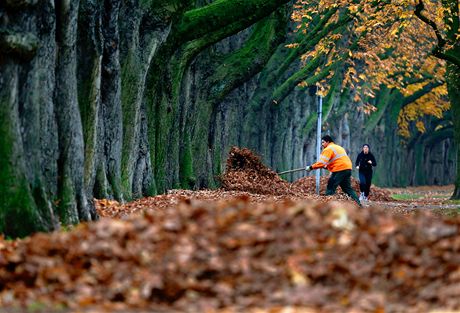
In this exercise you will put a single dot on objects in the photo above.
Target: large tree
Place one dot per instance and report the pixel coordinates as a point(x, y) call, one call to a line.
point(444, 23)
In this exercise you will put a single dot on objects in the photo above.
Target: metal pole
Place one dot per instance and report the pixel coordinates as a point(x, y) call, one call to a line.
point(318, 140)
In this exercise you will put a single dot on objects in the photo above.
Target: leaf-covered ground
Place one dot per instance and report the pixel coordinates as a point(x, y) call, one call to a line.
point(230, 250)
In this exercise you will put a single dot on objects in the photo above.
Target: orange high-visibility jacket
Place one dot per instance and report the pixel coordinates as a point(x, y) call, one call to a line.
point(334, 158)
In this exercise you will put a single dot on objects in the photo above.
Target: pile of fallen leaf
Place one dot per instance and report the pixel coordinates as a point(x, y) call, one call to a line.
point(246, 172)
point(308, 185)
point(239, 256)
point(114, 209)
point(245, 175)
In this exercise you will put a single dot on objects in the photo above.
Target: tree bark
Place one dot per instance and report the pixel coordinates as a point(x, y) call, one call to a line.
point(73, 204)
point(453, 85)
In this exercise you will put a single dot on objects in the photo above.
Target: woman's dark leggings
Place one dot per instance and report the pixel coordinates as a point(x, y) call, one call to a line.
point(365, 180)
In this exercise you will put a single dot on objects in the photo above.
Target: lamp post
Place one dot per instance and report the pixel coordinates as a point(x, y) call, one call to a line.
point(318, 139)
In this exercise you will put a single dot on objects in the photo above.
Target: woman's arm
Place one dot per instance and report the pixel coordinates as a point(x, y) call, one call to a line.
point(358, 159)
point(374, 163)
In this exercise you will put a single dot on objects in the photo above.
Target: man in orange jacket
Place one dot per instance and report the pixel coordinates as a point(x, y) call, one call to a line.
point(335, 159)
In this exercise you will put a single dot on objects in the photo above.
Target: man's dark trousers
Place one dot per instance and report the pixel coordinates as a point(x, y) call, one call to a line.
point(342, 179)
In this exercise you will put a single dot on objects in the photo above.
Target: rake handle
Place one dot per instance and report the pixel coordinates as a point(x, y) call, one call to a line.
point(292, 171)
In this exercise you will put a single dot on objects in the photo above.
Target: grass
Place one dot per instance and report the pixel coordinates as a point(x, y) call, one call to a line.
point(448, 212)
point(406, 196)
point(40, 307)
point(36, 306)
point(440, 196)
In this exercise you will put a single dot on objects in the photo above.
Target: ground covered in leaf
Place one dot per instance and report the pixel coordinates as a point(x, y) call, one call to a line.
point(246, 176)
point(203, 257)
point(274, 248)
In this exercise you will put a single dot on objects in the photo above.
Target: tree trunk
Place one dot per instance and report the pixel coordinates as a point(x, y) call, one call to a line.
point(453, 85)
point(28, 141)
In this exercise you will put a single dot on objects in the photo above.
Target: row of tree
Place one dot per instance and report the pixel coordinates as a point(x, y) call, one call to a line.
point(123, 99)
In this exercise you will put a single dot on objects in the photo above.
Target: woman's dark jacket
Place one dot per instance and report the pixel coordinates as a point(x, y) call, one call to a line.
point(362, 159)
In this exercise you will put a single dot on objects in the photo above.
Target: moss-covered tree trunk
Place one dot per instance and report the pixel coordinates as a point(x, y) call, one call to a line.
point(453, 84)
point(72, 200)
point(28, 131)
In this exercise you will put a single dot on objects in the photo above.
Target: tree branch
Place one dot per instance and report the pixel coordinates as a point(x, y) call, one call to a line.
point(285, 88)
point(19, 4)
point(382, 103)
point(437, 50)
point(309, 41)
point(418, 12)
point(430, 138)
point(191, 49)
point(23, 45)
point(222, 13)
point(452, 19)
point(420, 93)
point(250, 59)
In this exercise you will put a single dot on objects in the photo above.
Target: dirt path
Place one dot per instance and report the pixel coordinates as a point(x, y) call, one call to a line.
point(410, 205)
point(419, 198)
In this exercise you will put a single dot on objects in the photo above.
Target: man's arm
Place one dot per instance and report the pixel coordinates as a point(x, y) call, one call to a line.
point(324, 158)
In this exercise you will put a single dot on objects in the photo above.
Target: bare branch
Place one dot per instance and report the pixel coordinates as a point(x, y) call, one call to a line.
point(418, 12)
point(437, 50)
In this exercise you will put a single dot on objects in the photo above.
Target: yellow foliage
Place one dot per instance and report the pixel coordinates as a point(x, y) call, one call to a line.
point(385, 44)
point(432, 104)
point(292, 45)
point(420, 126)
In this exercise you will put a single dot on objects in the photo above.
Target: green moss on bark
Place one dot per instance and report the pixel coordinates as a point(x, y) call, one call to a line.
point(163, 123)
point(305, 75)
point(217, 161)
point(89, 101)
point(101, 189)
point(420, 174)
point(221, 13)
point(168, 86)
point(453, 87)
point(186, 174)
point(67, 205)
point(18, 212)
point(244, 63)
point(130, 72)
point(382, 103)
